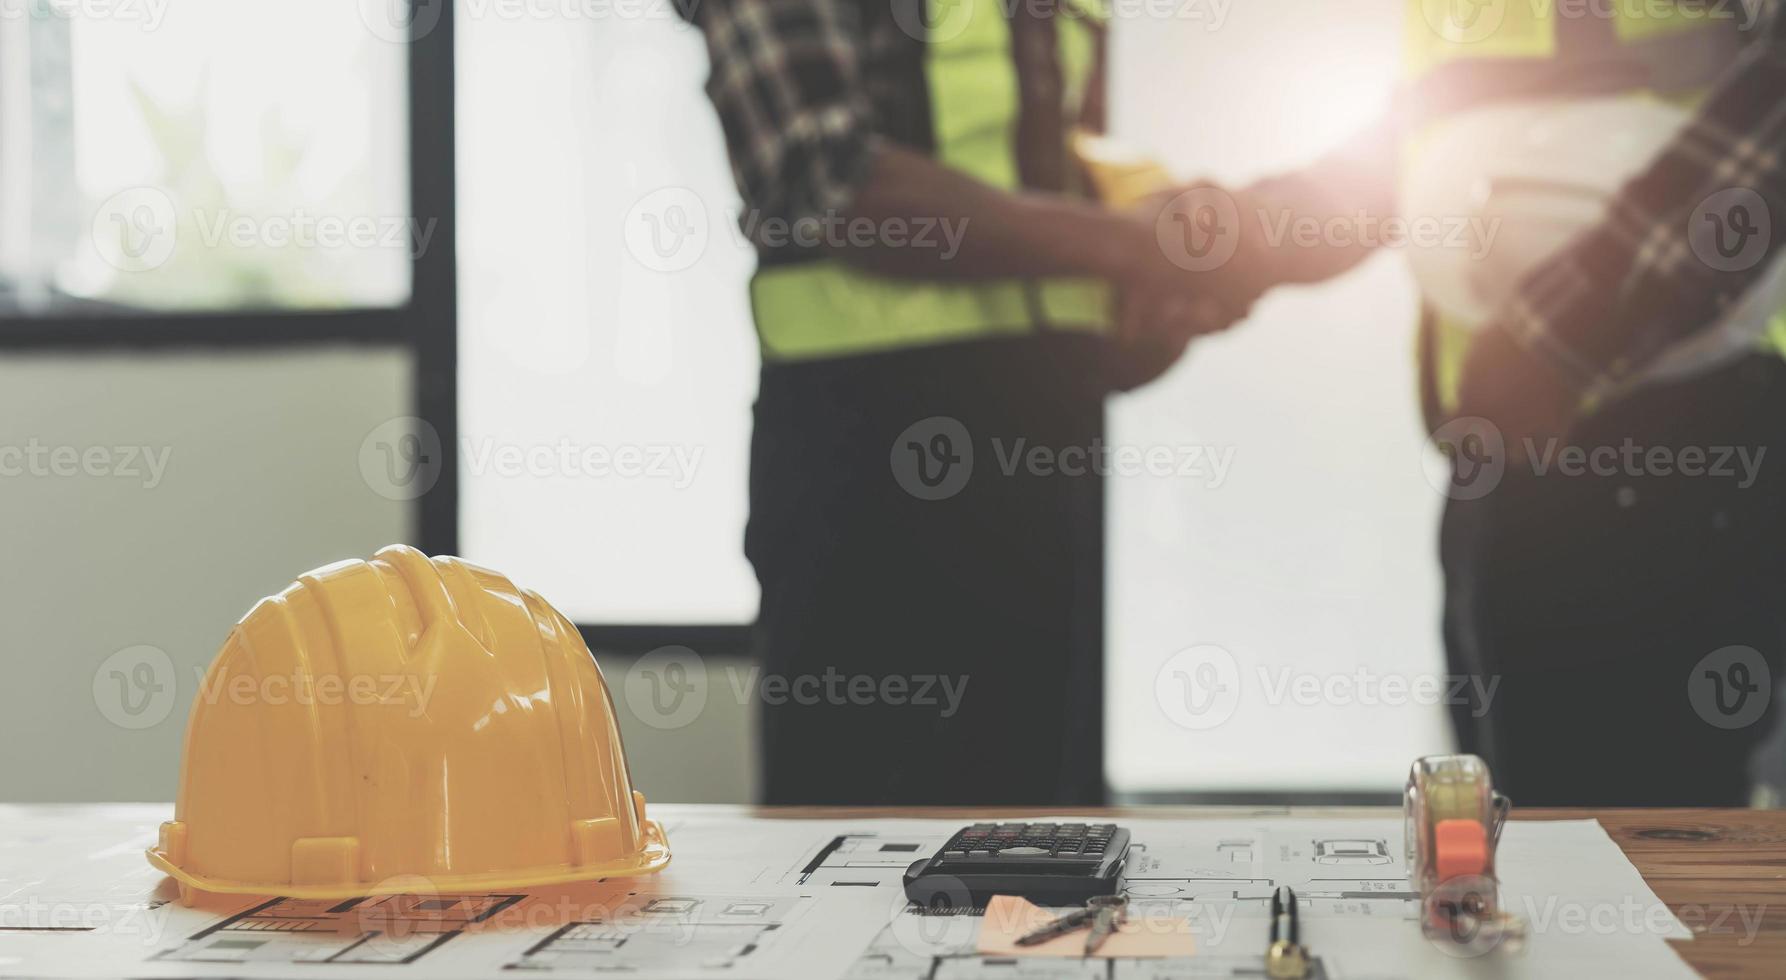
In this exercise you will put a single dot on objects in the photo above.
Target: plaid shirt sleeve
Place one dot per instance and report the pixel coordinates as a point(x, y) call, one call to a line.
point(787, 80)
point(1683, 240)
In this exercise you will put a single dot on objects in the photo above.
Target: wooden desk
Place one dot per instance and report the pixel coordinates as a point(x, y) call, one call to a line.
point(1712, 867)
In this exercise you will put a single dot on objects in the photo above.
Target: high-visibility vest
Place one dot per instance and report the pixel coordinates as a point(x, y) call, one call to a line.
point(1477, 50)
point(825, 308)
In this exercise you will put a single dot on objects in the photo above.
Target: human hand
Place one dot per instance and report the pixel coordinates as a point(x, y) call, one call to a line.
point(1247, 241)
point(1215, 235)
point(1201, 268)
point(1153, 329)
point(1171, 317)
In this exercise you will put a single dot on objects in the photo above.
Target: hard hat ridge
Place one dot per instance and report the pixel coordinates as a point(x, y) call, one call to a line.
point(403, 717)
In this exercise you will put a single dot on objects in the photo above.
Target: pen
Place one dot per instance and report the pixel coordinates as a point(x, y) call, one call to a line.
point(1285, 959)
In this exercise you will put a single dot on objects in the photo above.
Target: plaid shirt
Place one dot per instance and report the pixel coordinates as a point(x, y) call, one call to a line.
point(805, 91)
point(1683, 240)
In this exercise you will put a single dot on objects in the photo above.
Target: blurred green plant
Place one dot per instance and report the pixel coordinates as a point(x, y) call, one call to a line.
point(209, 271)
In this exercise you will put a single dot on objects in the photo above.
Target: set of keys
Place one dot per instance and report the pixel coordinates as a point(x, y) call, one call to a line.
point(1102, 914)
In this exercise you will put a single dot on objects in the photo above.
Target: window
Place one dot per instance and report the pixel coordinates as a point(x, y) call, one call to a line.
point(606, 352)
point(205, 155)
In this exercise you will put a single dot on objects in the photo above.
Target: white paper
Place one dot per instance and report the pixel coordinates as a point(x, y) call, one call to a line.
point(777, 899)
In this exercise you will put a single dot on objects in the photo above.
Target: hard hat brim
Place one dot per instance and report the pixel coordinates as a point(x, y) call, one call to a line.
point(653, 857)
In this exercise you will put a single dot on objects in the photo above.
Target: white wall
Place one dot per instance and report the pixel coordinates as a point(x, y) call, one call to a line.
point(262, 481)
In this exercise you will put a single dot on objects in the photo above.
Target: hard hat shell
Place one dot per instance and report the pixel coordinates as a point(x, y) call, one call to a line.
point(1533, 175)
point(404, 719)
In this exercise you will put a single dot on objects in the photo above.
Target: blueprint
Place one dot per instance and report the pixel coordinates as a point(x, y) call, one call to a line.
point(783, 899)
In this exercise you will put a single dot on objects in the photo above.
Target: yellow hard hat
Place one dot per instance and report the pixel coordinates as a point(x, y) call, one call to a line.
point(401, 719)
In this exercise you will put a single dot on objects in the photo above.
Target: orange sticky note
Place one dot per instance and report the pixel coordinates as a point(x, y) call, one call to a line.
point(1139, 937)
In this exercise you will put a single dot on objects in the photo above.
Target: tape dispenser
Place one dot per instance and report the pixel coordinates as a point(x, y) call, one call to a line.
point(1454, 819)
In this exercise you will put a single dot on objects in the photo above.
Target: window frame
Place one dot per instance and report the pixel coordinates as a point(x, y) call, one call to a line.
point(426, 326)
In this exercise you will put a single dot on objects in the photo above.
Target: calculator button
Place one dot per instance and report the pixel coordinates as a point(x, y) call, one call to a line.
point(1026, 851)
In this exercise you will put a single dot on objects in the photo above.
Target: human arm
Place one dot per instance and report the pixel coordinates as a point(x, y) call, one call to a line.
point(1588, 324)
point(788, 80)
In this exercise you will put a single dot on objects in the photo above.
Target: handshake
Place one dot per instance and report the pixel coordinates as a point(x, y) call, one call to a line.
point(1202, 255)
point(1196, 256)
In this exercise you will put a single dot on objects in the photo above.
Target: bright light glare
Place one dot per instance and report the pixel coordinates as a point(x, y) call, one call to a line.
point(1313, 562)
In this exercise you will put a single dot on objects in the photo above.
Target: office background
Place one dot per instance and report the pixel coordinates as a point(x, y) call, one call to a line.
point(1312, 555)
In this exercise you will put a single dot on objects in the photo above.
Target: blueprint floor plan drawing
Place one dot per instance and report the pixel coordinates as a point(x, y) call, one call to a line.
point(382, 929)
point(681, 932)
point(754, 898)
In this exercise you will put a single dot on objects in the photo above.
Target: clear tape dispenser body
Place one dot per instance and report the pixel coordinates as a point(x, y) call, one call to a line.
point(1454, 819)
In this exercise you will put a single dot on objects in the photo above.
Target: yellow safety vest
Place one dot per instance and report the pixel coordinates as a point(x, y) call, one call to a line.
point(1676, 50)
point(826, 308)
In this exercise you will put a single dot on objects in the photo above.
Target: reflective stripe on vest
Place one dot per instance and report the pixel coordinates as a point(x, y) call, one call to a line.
point(828, 309)
point(1468, 51)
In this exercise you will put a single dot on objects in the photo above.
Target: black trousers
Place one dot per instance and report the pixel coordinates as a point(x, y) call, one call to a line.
point(1591, 601)
point(931, 642)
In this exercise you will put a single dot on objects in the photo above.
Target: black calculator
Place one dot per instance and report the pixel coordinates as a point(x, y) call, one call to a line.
point(1047, 863)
